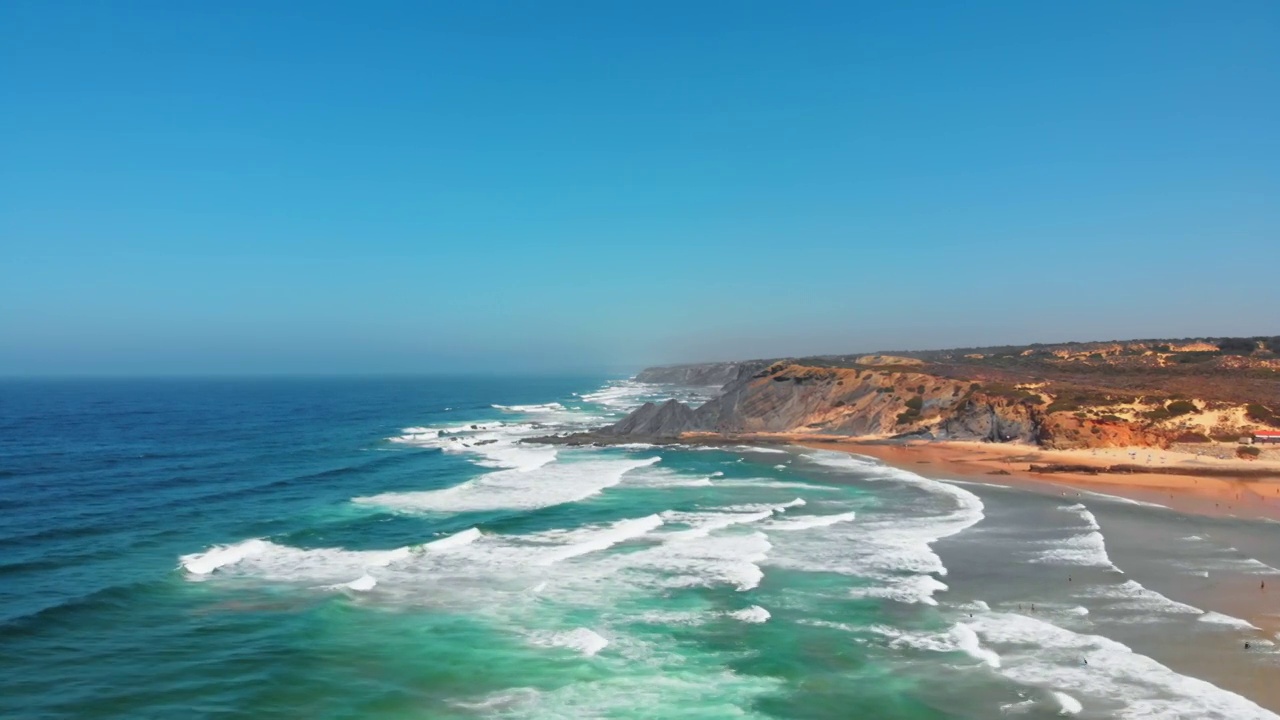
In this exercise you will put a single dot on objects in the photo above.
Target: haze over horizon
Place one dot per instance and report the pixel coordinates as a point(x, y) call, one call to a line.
point(237, 189)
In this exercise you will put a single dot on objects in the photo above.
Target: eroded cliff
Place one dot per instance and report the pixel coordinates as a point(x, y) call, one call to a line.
point(882, 396)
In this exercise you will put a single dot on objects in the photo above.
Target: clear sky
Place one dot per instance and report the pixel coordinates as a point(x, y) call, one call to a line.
point(255, 187)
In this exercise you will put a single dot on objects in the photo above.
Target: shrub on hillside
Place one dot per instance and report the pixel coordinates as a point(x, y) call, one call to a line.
point(1158, 414)
point(1261, 414)
point(1248, 452)
point(1181, 407)
point(1237, 346)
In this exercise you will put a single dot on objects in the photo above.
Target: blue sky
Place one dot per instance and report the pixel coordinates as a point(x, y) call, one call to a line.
point(414, 187)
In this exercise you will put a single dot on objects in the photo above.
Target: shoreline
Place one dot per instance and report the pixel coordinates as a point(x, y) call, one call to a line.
point(1179, 481)
point(1176, 480)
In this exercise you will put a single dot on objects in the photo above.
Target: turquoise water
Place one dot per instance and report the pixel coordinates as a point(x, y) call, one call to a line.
point(390, 549)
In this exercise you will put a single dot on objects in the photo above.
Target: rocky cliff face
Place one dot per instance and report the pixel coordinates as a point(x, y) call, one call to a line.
point(703, 374)
point(898, 400)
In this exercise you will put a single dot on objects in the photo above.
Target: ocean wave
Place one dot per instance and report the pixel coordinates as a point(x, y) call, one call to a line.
point(585, 641)
point(1091, 522)
point(895, 552)
point(753, 614)
point(1217, 618)
point(545, 486)
point(1121, 682)
point(620, 531)
point(543, 407)
point(807, 522)
point(1086, 550)
point(1133, 597)
point(263, 558)
point(1067, 705)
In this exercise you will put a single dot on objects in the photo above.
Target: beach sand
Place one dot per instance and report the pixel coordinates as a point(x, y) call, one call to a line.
point(1253, 494)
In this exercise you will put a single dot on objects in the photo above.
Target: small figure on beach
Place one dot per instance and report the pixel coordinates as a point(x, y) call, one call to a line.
point(1263, 586)
point(1246, 645)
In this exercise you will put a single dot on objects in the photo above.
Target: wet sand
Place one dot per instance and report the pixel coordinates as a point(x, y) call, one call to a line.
point(1239, 594)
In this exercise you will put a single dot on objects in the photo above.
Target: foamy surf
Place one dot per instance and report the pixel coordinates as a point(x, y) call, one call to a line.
point(893, 555)
point(554, 484)
point(364, 583)
point(221, 556)
point(456, 540)
point(326, 567)
point(754, 614)
point(809, 522)
point(584, 641)
point(1122, 682)
point(1067, 705)
point(1216, 618)
point(620, 531)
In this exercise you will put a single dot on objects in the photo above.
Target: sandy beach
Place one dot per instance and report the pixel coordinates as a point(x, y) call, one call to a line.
point(1181, 481)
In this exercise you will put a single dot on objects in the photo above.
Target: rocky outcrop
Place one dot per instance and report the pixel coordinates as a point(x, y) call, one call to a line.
point(651, 420)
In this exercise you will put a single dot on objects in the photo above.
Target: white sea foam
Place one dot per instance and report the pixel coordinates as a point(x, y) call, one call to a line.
point(758, 449)
point(362, 584)
point(1123, 500)
point(1220, 619)
point(221, 556)
point(281, 563)
point(620, 531)
point(776, 484)
point(1088, 550)
point(1090, 521)
point(967, 641)
point(657, 476)
point(584, 640)
point(1123, 683)
point(1132, 597)
point(554, 484)
point(806, 522)
point(893, 551)
point(709, 560)
point(753, 614)
point(910, 590)
point(456, 540)
point(543, 407)
point(703, 524)
point(494, 444)
point(1067, 705)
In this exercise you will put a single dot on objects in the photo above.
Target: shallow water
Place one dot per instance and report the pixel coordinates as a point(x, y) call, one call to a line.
point(388, 549)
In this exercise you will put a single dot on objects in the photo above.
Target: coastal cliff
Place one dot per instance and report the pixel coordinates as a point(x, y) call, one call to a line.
point(698, 375)
point(1036, 396)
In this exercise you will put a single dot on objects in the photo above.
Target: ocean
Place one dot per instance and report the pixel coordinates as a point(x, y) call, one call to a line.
point(387, 548)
